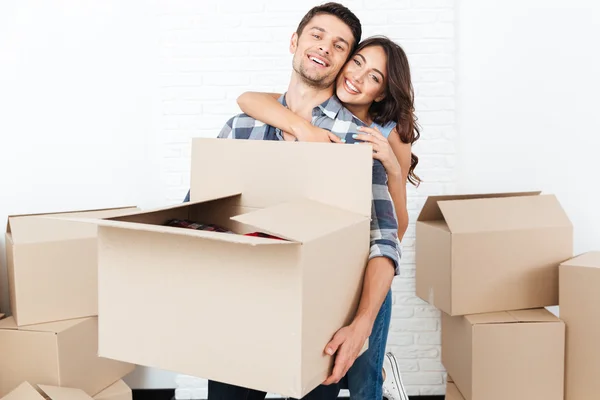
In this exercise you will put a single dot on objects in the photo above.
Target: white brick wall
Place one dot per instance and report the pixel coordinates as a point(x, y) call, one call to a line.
point(213, 51)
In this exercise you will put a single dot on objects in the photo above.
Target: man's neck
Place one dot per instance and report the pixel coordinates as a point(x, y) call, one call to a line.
point(302, 98)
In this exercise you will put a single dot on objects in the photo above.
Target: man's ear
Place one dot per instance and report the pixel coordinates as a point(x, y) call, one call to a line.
point(294, 43)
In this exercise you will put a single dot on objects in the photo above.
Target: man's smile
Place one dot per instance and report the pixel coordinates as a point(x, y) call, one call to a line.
point(319, 61)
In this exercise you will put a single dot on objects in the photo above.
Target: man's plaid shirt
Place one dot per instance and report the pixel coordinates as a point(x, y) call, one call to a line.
point(331, 115)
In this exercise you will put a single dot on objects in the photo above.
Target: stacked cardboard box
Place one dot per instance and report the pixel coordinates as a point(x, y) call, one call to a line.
point(490, 264)
point(579, 299)
point(205, 303)
point(51, 337)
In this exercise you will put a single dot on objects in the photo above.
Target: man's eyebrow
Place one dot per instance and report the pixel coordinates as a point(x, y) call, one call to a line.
point(317, 28)
point(339, 38)
point(374, 69)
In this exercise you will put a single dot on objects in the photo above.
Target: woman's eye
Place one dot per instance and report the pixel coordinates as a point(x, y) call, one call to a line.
point(357, 62)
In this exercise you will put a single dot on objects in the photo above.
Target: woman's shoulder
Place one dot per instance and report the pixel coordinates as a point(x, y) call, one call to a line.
point(386, 128)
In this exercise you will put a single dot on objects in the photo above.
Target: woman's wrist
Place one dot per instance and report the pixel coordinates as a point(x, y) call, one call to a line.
point(394, 171)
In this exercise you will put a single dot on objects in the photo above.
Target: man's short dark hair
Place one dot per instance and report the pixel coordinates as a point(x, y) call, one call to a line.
point(339, 11)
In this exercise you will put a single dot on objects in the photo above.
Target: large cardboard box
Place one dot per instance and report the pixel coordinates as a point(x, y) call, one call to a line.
point(491, 252)
point(515, 355)
point(251, 311)
point(52, 266)
point(60, 353)
point(579, 308)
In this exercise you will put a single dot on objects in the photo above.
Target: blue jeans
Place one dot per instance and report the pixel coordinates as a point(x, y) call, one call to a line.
point(365, 378)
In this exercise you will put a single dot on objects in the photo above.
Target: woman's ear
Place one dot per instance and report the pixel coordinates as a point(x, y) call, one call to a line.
point(379, 98)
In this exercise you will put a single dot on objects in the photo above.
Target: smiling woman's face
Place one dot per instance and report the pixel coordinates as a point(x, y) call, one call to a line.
point(364, 77)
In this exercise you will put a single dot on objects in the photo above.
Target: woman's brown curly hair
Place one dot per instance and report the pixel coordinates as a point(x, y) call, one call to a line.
point(398, 104)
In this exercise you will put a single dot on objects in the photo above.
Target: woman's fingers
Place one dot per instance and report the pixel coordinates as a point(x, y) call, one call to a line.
point(364, 137)
point(372, 131)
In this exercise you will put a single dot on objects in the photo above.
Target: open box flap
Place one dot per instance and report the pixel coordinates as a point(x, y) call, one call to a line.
point(301, 220)
point(431, 210)
point(225, 194)
point(501, 214)
point(170, 230)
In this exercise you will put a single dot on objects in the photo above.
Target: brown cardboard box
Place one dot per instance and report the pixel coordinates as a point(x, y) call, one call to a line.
point(491, 252)
point(579, 300)
point(60, 353)
point(26, 391)
point(515, 355)
point(267, 306)
point(117, 391)
point(52, 266)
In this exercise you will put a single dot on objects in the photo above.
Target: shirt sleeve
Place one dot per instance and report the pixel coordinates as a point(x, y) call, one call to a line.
point(227, 130)
point(384, 224)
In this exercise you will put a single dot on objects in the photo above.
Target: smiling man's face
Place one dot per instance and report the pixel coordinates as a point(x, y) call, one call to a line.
point(321, 50)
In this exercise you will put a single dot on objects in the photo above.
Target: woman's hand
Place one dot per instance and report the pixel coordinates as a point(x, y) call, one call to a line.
point(310, 133)
point(382, 150)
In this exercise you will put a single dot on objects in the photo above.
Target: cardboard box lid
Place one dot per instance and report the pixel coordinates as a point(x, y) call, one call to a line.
point(50, 327)
point(34, 228)
point(588, 260)
point(509, 317)
point(301, 221)
point(495, 211)
point(273, 172)
point(25, 391)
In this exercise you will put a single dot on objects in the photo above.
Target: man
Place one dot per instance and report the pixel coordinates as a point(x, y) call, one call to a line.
point(323, 42)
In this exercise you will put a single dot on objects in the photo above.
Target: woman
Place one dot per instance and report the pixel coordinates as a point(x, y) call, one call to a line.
point(375, 86)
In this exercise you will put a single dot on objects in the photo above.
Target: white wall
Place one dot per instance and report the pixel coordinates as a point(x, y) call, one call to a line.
point(528, 117)
point(78, 89)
